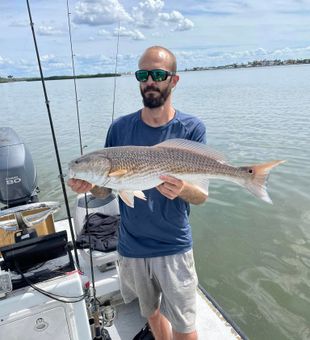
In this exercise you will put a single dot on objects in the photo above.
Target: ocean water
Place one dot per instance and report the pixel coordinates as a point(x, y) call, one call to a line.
point(253, 257)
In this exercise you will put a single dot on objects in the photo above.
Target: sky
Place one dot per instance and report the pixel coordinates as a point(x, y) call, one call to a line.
point(200, 33)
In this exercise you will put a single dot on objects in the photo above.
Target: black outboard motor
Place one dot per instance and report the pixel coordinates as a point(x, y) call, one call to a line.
point(18, 176)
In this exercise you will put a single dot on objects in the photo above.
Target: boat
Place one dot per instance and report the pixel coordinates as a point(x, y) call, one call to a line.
point(49, 288)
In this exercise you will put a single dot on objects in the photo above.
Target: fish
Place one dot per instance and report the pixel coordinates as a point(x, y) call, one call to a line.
point(130, 170)
point(30, 220)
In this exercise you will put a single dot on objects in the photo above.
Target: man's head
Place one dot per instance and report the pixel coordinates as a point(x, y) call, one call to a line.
point(155, 87)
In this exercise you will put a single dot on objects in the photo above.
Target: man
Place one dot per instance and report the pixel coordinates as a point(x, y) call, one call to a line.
point(155, 244)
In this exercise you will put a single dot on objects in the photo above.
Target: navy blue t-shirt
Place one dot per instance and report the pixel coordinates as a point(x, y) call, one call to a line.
point(158, 226)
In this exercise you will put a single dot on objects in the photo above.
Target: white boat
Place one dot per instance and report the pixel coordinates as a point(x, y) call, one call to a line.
point(44, 293)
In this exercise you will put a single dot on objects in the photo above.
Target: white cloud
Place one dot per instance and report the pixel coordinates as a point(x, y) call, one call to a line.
point(102, 63)
point(100, 12)
point(184, 25)
point(174, 16)
point(227, 31)
point(48, 58)
point(5, 61)
point(147, 13)
point(21, 23)
point(134, 34)
point(151, 5)
point(205, 58)
point(104, 32)
point(137, 35)
point(48, 30)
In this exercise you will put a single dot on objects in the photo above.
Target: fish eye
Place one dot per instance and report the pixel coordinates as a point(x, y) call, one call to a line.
point(76, 162)
point(250, 171)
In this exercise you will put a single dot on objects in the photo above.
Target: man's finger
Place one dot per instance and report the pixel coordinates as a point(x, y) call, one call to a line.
point(170, 179)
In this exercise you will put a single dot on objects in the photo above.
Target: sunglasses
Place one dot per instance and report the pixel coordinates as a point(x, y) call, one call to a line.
point(157, 75)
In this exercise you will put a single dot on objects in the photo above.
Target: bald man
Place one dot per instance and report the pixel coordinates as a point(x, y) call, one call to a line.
point(156, 263)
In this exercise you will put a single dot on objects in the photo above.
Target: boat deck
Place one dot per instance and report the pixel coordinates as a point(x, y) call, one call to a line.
point(210, 324)
point(128, 321)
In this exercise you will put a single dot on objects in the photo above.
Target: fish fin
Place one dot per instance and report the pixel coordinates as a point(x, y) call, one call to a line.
point(257, 185)
point(193, 146)
point(203, 186)
point(139, 194)
point(127, 197)
point(118, 173)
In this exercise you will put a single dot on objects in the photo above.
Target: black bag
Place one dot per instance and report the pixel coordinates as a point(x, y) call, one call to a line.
point(145, 333)
point(99, 232)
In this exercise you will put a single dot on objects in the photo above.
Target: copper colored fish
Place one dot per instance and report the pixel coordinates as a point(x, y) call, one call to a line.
point(132, 169)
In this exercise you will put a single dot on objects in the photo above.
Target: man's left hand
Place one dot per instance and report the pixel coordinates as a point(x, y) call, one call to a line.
point(171, 188)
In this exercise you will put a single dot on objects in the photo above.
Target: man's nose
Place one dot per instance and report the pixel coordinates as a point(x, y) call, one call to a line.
point(149, 80)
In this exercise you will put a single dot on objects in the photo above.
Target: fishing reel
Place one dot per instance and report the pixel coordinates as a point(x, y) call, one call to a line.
point(101, 316)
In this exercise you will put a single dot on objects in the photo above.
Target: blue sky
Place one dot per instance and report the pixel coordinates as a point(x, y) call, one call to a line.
point(200, 33)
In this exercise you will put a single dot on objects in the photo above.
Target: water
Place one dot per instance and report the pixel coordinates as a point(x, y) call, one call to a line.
point(254, 258)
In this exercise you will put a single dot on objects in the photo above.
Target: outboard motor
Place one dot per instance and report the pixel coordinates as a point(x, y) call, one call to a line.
point(18, 176)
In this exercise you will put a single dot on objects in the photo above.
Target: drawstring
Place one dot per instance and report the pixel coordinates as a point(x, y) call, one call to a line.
point(149, 267)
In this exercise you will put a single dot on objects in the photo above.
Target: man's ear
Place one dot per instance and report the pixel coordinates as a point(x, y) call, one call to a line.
point(175, 80)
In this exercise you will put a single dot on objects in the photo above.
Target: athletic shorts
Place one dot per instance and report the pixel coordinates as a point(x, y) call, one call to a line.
point(168, 282)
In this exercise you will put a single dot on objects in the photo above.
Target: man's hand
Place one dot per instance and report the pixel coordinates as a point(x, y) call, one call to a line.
point(79, 186)
point(173, 187)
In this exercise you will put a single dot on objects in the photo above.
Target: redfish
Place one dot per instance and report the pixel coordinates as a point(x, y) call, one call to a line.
point(132, 169)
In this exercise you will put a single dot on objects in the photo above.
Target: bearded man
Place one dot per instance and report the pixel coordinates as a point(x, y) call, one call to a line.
point(156, 263)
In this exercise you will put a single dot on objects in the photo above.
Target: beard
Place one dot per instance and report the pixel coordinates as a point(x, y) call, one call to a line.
point(150, 100)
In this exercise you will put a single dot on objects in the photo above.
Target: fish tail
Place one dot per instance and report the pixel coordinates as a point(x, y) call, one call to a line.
point(257, 185)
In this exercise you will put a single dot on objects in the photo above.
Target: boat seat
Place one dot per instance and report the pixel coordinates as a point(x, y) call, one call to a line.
point(107, 206)
point(103, 261)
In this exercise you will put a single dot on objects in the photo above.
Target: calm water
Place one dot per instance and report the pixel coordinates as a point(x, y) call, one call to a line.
point(254, 258)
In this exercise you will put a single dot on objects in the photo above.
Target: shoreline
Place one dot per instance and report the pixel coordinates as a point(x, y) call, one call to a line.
point(250, 64)
point(81, 76)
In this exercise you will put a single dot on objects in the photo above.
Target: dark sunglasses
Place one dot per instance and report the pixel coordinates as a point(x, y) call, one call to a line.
point(157, 75)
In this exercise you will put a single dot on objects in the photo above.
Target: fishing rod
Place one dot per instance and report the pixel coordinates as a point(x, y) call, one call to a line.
point(96, 312)
point(100, 332)
point(61, 176)
point(74, 79)
point(115, 70)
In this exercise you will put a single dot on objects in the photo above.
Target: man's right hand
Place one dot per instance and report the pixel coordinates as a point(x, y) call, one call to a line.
point(79, 185)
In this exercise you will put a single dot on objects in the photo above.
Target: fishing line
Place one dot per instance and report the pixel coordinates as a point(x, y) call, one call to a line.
point(61, 176)
point(115, 70)
point(74, 79)
point(7, 176)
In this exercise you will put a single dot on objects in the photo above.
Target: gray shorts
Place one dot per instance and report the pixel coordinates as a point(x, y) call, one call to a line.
point(168, 282)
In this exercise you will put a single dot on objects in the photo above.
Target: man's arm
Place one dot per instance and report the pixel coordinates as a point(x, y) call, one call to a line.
point(173, 187)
